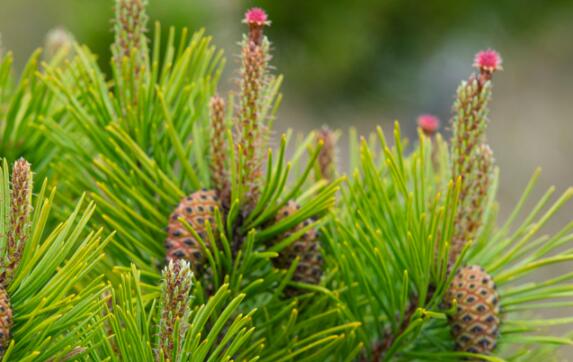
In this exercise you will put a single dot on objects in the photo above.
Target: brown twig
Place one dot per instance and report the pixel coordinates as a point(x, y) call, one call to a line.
point(380, 348)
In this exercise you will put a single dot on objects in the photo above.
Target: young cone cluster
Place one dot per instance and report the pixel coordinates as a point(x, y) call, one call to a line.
point(309, 268)
point(20, 213)
point(219, 173)
point(475, 323)
point(472, 160)
point(254, 60)
point(18, 234)
point(176, 298)
point(198, 210)
point(130, 28)
point(6, 320)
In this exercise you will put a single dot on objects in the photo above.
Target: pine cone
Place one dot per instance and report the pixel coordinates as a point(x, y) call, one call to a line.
point(5, 320)
point(309, 269)
point(475, 325)
point(196, 209)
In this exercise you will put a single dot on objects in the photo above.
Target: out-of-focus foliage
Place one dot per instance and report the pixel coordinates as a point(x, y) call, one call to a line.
point(361, 49)
point(25, 23)
point(353, 48)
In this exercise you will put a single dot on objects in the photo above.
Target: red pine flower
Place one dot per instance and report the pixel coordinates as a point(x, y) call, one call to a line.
point(488, 61)
point(256, 16)
point(428, 123)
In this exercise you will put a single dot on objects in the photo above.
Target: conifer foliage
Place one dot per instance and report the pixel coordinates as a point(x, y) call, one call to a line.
point(49, 309)
point(182, 174)
point(25, 102)
point(170, 325)
point(223, 248)
point(429, 274)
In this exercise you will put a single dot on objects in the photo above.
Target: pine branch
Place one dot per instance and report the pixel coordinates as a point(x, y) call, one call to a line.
point(142, 161)
point(395, 282)
point(49, 308)
point(24, 104)
point(389, 338)
point(210, 331)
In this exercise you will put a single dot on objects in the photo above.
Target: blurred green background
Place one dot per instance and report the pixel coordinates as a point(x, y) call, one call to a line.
point(367, 62)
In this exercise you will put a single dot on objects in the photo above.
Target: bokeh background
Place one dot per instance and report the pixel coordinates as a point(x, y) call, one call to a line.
point(364, 63)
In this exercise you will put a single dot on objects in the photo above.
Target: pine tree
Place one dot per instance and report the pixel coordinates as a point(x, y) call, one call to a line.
point(223, 248)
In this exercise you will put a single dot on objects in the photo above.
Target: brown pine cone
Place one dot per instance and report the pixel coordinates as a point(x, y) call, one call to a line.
point(309, 269)
point(475, 325)
point(196, 209)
